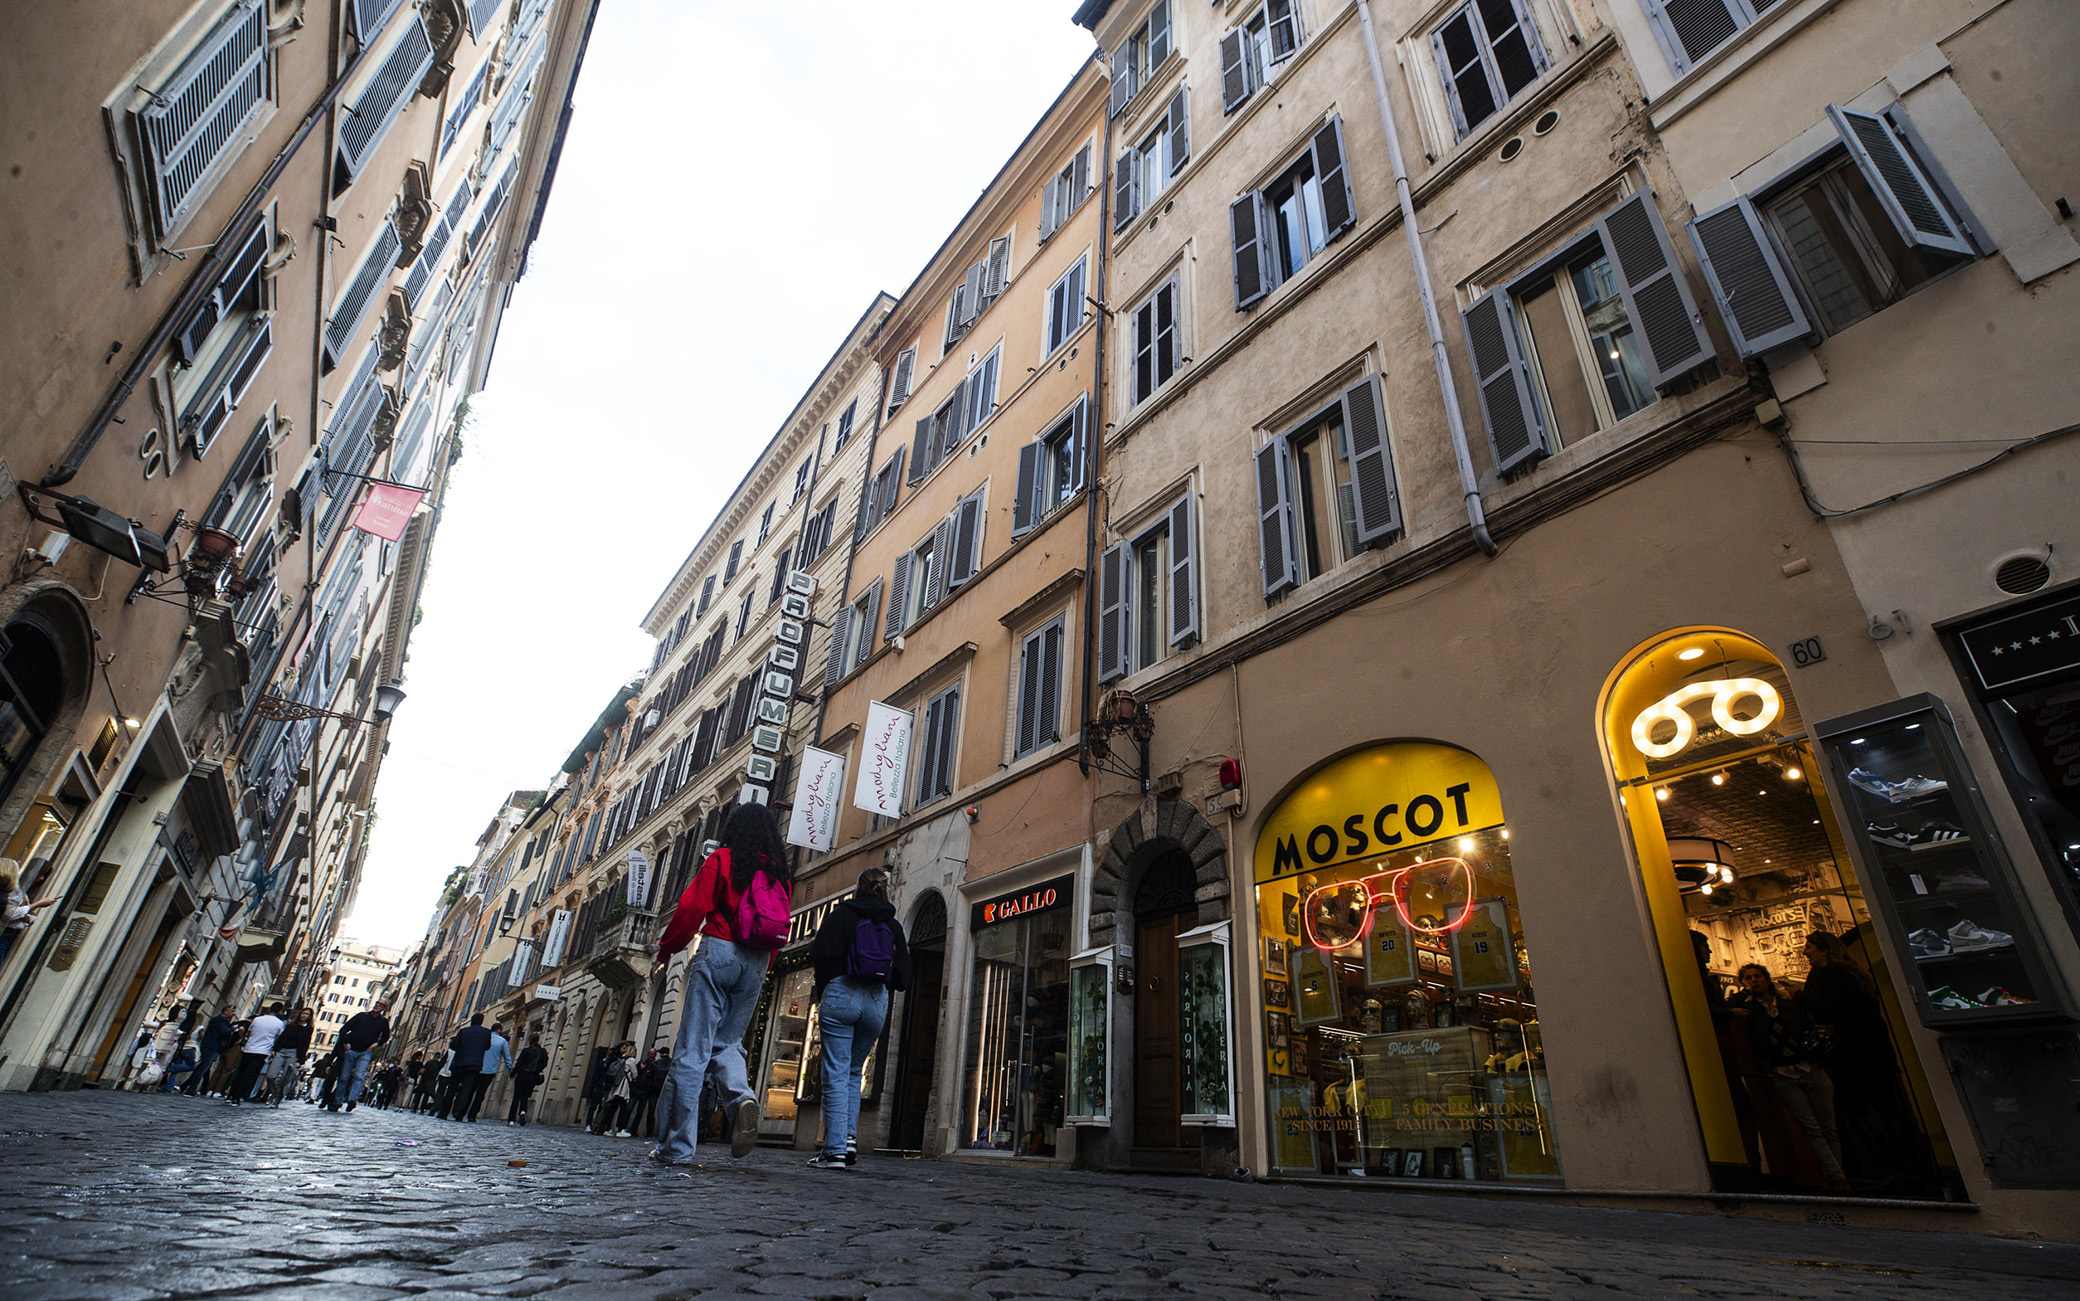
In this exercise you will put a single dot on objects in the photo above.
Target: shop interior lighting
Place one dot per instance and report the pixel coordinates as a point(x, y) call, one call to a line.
point(1706, 888)
point(1718, 779)
point(1466, 844)
point(1661, 792)
point(1792, 774)
point(133, 723)
point(1913, 726)
point(1695, 652)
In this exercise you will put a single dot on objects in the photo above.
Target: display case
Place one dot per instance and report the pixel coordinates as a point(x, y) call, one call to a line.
point(1207, 1031)
point(1933, 869)
point(786, 1053)
point(1089, 1085)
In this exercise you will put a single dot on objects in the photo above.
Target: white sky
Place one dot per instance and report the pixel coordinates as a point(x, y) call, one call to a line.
point(738, 182)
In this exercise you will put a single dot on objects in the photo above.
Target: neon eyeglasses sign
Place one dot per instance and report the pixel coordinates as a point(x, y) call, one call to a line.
point(1337, 916)
point(1723, 693)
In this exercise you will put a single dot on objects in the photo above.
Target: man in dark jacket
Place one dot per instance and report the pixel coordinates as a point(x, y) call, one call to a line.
point(219, 1034)
point(528, 1069)
point(649, 1083)
point(470, 1043)
point(359, 1037)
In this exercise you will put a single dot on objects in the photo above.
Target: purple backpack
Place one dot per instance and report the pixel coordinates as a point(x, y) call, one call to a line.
point(873, 952)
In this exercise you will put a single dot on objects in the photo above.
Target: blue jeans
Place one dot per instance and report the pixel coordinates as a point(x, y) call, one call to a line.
point(722, 984)
point(198, 1083)
point(353, 1069)
point(852, 1014)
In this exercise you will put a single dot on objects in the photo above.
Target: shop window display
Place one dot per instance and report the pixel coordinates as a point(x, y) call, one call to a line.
point(1401, 1030)
point(1797, 1046)
point(1018, 1033)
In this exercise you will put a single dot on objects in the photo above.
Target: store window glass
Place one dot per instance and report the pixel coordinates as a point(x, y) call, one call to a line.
point(1793, 1030)
point(1401, 1028)
point(1018, 1031)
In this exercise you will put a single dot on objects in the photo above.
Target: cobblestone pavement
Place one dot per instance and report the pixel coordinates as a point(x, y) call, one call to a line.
point(118, 1196)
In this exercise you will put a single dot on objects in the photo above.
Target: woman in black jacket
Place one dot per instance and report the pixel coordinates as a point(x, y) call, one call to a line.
point(859, 954)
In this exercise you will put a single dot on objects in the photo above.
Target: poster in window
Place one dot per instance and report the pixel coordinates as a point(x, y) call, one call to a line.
point(1316, 997)
point(1274, 957)
point(1292, 1126)
point(1276, 993)
point(1389, 957)
point(1482, 956)
point(1291, 912)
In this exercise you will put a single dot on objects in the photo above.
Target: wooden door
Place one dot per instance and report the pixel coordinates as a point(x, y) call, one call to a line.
point(920, 1047)
point(1157, 1083)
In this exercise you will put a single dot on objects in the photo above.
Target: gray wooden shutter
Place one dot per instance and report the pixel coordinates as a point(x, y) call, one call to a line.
point(1338, 212)
point(1443, 63)
point(1050, 199)
point(971, 294)
point(899, 386)
point(834, 668)
point(967, 541)
point(1281, 27)
point(1122, 77)
point(1516, 432)
point(868, 614)
point(396, 80)
point(1079, 431)
point(1112, 613)
point(1126, 187)
point(1047, 727)
point(942, 556)
point(360, 294)
point(1376, 507)
point(1234, 74)
point(1747, 280)
point(1158, 34)
point(899, 594)
point(1651, 282)
point(949, 733)
point(1180, 129)
point(1246, 225)
point(1690, 29)
point(1275, 519)
point(888, 487)
point(928, 751)
point(999, 273)
point(921, 449)
point(1184, 585)
point(481, 12)
point(1902, 187)
point(1028, 693)
point(1022, 503)
point(1079, 184)
point(201, 114)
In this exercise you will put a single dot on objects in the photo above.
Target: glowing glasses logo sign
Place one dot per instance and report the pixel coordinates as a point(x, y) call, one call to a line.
point(1434, 898)
point(1672, 709)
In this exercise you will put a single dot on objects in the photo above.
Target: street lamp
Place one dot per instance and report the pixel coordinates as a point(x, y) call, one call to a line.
point(387, 700)
point(279, 710)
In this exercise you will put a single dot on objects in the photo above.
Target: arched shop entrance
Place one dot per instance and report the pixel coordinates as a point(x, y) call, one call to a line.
point(920, 1034)
point(1800, 1064)
point(1163, 909)
point(1401, 1033)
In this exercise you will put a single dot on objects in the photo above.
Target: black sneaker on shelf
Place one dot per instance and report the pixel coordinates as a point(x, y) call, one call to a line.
point(1890, 833)
point(1937, 833)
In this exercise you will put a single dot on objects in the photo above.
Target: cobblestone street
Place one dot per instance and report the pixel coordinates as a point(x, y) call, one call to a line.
point(312, 1205)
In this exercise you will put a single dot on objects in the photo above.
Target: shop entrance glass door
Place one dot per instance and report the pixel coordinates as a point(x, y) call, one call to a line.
point(1162, 907)
point(1018, 1035)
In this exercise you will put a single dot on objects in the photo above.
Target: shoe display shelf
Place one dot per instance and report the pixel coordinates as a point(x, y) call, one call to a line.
point(1931, 870)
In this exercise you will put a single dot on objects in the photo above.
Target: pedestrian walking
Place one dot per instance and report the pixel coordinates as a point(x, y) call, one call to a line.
point(182, 1068)
point(470, 1045)
point(528, 1069)
point(444, 1085)
point(291, 1046)
point(619, 1101)
point(359, 1037)
point(259, 1046)
point(649, 1083)
point(218, 1035)
point(499, 1056)
point(859, 954)
point(740, 901)
point(431, 1076)
point(596, 1086)
point(17, 910)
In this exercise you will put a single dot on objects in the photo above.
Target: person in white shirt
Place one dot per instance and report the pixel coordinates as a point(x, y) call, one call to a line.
point(259, 1046)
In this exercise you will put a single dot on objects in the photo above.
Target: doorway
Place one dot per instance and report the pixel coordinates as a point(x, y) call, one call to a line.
point(920, 1034)
point(1163, 906)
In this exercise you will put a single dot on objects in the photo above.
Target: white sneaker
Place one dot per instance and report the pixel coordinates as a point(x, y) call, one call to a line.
point(622, 1133)
point(1969, 936)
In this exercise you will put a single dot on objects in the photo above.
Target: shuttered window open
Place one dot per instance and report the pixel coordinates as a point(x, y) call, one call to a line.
point(941, 736)
point(199, 118)
point(1155, 342)
point(1375, 506)
point(997, 271)
point(1246, 229)
point(841, 628)
point(381, 99)
point(1022, 520)
point(1183, 576)
point(1112, 604)
point(1657, 300)
point(1690, 29)
point(1747, 280)
point(353, 303)
point(1339, 213)
point(368, 17)
point(899, 384)
point(1275, 519)
point(1516, 431)
point(1235, 79)
point(1126, 188)
point(966, 535)
point(1039, 690)
point(899, 595)
point(1904, 190)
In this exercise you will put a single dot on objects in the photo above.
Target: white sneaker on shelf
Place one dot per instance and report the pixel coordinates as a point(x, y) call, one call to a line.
point(1969, 936)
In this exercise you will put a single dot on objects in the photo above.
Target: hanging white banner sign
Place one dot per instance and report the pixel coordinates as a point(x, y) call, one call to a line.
point(818, 793)
point(523, 961)
point(638, 879)
point(884, 758)
point(559, 934)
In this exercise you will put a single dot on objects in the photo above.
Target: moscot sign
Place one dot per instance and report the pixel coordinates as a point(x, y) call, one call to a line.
point(1376, 802)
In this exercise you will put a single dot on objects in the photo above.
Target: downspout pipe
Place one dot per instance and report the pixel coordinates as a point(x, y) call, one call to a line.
point(1095, 462)
point(1469, 483)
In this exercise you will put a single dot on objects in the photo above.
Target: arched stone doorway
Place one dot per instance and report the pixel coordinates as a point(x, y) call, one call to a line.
point(919, 1053)
point(46, 674)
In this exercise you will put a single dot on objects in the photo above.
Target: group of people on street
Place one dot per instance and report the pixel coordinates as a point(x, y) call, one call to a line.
point(264, 1058)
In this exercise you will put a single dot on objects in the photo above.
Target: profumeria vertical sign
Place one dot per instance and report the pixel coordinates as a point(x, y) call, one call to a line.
point(818, 794)
point(884, 758)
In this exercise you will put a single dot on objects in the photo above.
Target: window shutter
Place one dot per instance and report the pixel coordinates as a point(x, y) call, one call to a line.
point(834, 667)
point(1282, 27)
point(369, 17)
point(1112, 613)
point(1028, 475)
point(888, 488)
point(1246, 225)
point(1516, 434)
point(1050, 199)
point(1375, 506)
point(200, 116)
point(942, 557)
point(1275, 519)
point(1122, 77)
point(899, 594)
point(1048, 725)
point(1028, 694)
point(384, 96)
point(707, 593)
point(360, 294)
point(899, 387)
point(481, 12)
point(1234, 74)
point(928, 754)
point(1180, 133)
point(1184, 585)
point(1338, 213)
point(1158, 34)
point(1079, 184)
point(999, 273)
point(1126, 188)
point(1079, 430)
point(1690, 29)
point(1747, 280)
point(971, 294)
point(949, 731)
point(736, 558)
point(1651, 283)
point(921, 449)
point(1902, 187)
point(868, 613)
point(967, 541)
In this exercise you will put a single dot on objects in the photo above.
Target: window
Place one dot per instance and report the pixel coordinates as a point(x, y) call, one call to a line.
point(352, 305)
point(801, 478)
point(1145, 169)
point(982, 285)
point(937, 565)
point(191, 123)
point(1064, 193)
point(1325, 489)
point(845, 423)
point(248, 489)
point(852, 634)
point(935, 758)
point(707, 595)
point(1156, 352)
point(1252, 53)
point(765, 524)
point(220, 348)
point(816, 534)
point(736, 557)
point(744, 616)
point(1584, 340)
point(1279, 229)
point(1690, 29)
point(1148, 594)
point(465, 104)
point(1135, 62)
point(971, 403)
point(780, 570)
point(1051, 469)
point(381, 99)
point(1486, 52)
point(899, 380)
point(1039, 690)
point(880, 495)
point(1065, 307)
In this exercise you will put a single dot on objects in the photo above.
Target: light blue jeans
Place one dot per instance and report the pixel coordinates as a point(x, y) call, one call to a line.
point(722, 984)
point(353, 1069)
point(852, 1014)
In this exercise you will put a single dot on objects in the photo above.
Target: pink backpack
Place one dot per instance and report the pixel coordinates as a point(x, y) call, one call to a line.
point(763, 913)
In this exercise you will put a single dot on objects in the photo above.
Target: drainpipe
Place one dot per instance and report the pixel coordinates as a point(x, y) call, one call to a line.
point(1468, 483)
point(1090, 477)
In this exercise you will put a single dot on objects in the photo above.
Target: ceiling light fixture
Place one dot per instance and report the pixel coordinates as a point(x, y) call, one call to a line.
point(1695, 652)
